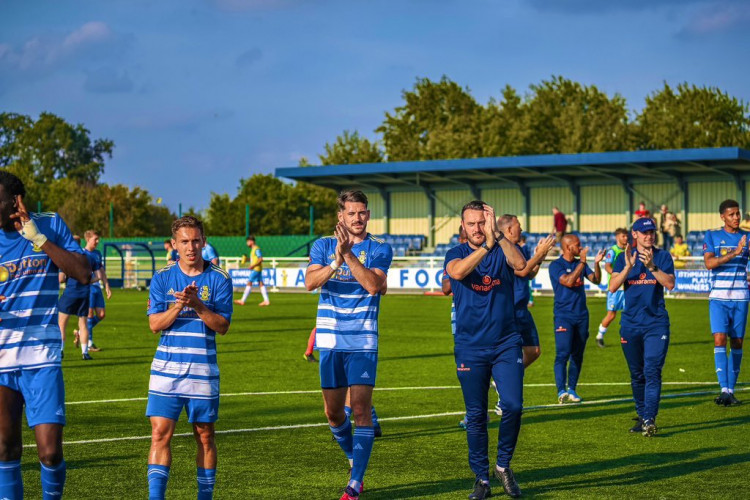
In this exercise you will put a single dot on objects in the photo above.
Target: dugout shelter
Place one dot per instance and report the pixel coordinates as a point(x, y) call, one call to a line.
point(598, 192)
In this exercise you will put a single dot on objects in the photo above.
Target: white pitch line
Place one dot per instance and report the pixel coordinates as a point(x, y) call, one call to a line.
point(415, 388)
point(555, 406)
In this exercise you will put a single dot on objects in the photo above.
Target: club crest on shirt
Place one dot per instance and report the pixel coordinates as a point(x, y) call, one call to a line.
point(723, 251)
point(205, 293)
point(362, 257)
point(4, 274)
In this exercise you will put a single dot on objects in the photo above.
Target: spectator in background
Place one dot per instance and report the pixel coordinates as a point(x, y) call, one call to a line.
point(679, 251)
point(560, 223)
point(642, 211)
point(745, 222)
point(662, 222)
point(670, 230)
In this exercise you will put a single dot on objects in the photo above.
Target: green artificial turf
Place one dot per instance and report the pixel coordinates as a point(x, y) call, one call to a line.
point(274, 442)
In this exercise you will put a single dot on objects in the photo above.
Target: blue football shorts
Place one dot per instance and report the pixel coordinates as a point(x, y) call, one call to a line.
point(345, 369)
point(74, 306)
point(255, 277)
point(96, 298)
point(43, 392)
point(527, 328)
point(728, 317)
point(198, 410)
point(616, 301)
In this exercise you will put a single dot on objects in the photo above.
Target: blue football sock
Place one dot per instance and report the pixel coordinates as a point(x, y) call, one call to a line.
point(53, 481)
point(11, 483)
point(158, 475)
point(343, 435)
point(348, 411)
point(374, 418)
point(720, 362)
point(92, 322)
point(206, 481)
point(735, 361)
point(364, 437)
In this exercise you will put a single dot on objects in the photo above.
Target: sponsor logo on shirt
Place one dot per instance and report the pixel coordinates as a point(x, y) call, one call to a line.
point(28, 266)
point(642, 280)
point(487, 284)
point(463, 368)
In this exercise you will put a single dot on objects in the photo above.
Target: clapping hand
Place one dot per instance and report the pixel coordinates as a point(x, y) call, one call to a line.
point(343, 244)
point(741, 246)
point(647, 257)
point(545, 244)
point(599, 256)
point(629, 255)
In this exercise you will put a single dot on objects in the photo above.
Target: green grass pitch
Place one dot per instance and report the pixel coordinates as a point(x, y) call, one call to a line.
point(274, 443)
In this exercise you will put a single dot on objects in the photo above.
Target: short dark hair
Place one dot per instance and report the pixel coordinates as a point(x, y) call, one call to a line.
point(250, 238)
point(351, 196)
point(727, 204)
point(472, 205)
point(168, 241)
point(187, 221)
point(621, 230)
point(12, 184)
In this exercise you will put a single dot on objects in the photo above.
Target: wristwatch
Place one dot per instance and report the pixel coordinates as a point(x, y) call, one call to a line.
point(485, 246)
point(653, 270)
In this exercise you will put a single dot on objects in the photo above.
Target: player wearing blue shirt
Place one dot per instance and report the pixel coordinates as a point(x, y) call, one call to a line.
point(487, 343)
point(644, 324)
point(725, 253)
point(210, 254)
point(350, 269)
point(75, 301)
point(571, 314)
point(615, 300)
point(34, 247)
point(190, 301)
point(511, 228)
point(97, 306)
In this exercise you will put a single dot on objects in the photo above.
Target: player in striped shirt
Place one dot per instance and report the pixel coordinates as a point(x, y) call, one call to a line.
point(725, 253)
point(33, 248)
point(190, 301)
point(350, 269)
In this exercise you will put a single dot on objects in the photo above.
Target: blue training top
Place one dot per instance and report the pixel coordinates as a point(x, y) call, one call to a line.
point(570, 302)
point(521, 291)
point(185, 361)
point(484, 301)
point(73, 287)
point(29, 334)
point(643, 294)
point(728, 281)
point(209, 253)
point(347, 314)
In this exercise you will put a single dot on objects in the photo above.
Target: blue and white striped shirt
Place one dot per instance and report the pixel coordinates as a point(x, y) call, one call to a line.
point(185, 361)
point(728, 281)
point(29, 334)
point(347, 313)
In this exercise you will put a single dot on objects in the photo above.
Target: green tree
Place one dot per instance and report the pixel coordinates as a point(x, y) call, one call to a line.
point(437, 120)
point(50, 148)
point(563, 116)
point(350, 148)
point(693, 117)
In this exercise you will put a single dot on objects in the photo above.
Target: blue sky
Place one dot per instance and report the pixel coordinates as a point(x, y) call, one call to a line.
point(199, 93)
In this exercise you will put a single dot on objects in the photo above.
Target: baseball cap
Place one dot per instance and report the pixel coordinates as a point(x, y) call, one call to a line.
point(644, 224)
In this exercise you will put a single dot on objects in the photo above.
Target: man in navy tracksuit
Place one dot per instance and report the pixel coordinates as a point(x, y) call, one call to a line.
point(644, 325)
point(571, 313)
point(487, 342)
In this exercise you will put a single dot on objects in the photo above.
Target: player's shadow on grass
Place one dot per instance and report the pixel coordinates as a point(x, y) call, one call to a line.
point(700, 426)
point(388, 436)
point(420, 489)
point(415, 356)
point(643, 468)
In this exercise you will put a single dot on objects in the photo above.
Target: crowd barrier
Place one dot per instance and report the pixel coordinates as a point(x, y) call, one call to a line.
point(425, 274)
